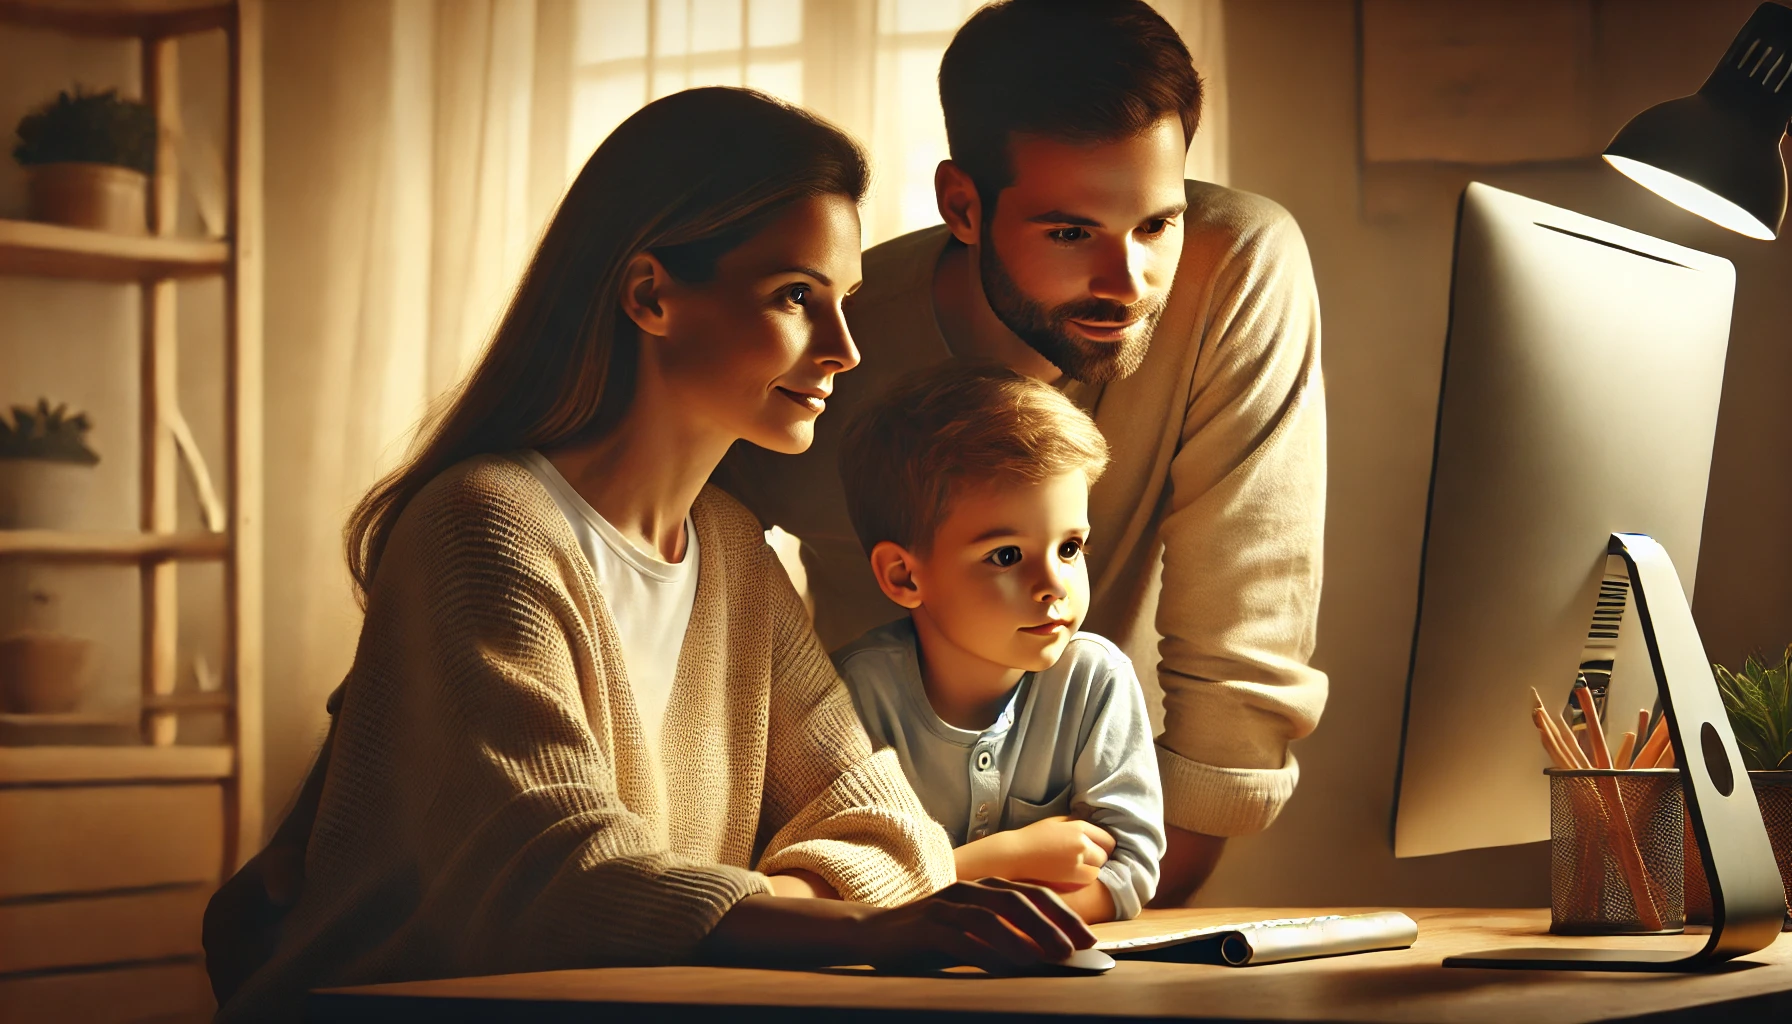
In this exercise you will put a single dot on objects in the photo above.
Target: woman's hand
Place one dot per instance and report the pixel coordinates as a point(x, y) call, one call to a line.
point(995, 924)
point(998, 925)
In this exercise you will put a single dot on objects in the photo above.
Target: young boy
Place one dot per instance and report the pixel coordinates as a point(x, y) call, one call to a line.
point(1028, 741)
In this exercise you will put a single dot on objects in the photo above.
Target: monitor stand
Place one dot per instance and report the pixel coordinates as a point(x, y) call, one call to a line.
point(1748, 903)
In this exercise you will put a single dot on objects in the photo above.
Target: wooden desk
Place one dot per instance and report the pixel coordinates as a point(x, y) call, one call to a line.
point(1406, 985)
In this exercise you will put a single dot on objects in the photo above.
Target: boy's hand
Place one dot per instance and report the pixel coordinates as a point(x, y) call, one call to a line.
point(1063, 853)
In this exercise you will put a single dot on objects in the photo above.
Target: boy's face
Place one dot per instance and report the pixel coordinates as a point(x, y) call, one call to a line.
point(1006, 580)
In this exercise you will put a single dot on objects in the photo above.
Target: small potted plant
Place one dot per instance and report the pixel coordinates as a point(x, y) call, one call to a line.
point(46, 467)
point(1759, 702)
point(89, 157)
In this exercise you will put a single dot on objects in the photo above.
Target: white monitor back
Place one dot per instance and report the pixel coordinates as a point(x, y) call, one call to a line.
point(1580, 394)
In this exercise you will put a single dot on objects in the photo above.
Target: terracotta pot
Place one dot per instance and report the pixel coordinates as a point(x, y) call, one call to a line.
point(1773, 792)
point(98, 196)
point(43, 494)
point(43, 673)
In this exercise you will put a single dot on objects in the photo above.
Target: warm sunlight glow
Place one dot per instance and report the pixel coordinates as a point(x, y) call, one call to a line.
point(1692, 196)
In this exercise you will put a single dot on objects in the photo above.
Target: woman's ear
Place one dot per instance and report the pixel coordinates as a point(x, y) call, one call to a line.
point(644, 286)
point(895, 571)
point(960, 205)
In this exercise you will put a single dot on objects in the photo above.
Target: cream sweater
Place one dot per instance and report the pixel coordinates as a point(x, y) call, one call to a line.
point(489, 806)
point(1207, 528)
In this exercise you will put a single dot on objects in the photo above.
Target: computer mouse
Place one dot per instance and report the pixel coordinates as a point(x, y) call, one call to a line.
point(1083, 961)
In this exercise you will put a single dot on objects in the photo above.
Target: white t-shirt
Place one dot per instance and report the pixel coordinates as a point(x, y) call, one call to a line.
point(649, 599)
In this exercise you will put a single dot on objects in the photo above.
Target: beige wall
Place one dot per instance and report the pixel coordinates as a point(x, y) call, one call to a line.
point(1381, 246)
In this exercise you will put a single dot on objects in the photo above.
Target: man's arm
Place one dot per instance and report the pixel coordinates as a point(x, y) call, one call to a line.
point(1188, 862)
point(1243, 545)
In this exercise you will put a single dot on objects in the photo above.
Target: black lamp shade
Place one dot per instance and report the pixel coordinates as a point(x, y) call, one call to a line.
point(1717, 152)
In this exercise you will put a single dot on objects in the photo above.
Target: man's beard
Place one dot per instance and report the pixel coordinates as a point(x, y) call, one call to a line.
point(1049, 333)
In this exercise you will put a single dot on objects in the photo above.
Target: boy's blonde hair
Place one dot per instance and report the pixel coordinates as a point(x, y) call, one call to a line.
point(905, 456)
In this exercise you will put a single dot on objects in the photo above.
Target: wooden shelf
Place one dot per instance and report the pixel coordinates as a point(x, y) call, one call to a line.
point(210, 700)
point(97, 777)
point(72, 729)
point(51, 250)
point(27, 765)
point(148, 19)
point(121, 546)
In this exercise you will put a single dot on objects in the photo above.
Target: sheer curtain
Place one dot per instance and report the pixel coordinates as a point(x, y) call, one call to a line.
point(415, 149)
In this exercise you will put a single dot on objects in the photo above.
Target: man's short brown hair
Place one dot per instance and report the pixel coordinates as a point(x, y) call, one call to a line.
point(906, 455)
point(1077, 71)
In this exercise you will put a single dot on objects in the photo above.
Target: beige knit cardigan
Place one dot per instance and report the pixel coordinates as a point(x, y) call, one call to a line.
point(490, 806)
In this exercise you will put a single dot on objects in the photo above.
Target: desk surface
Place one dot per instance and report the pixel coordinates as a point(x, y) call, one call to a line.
point(1408, 985)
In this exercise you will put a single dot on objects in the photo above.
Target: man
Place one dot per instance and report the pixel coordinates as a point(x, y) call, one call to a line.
point(1184, 318)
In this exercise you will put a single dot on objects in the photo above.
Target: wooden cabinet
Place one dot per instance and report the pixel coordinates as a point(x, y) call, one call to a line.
point(108, 854)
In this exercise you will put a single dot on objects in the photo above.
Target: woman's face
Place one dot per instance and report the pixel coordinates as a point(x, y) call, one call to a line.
point(752, 352)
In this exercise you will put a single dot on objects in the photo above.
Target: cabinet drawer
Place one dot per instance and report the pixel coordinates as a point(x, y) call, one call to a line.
point(70, 839)
point(159, 992)
point(38, 935)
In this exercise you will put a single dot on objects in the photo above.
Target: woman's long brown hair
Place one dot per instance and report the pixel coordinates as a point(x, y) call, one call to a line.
point(688, 178)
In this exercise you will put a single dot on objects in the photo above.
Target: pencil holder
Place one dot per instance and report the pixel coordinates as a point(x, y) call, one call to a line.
point(1615, 842)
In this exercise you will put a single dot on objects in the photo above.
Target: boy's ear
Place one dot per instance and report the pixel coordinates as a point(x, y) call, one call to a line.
point(895, 571)
point(960, 205)
point(644, 286)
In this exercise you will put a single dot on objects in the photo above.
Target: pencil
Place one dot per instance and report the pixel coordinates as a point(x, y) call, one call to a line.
point(1622, 758)
point(1623, 839)
point(1551, 744)
point(1563, 735)
point(1602, 755)
point(1642, 731)
point(1658, 741)
point(1574, 747)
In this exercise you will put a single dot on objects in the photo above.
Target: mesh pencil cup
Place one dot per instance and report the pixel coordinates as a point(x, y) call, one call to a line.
point(1773, 794)
point(1610, 874)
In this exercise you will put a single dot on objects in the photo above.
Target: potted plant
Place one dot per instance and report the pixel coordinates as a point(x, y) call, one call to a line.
point(45, 467)
point(89, 157)
point(1759, 702)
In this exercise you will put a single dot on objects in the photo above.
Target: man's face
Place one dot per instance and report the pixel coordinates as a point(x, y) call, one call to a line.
point(1078, 258)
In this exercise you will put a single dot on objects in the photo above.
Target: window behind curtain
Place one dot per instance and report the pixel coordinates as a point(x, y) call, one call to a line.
point(627, 52)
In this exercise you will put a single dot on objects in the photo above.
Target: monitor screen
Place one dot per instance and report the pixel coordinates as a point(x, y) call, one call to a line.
point(1580, 392)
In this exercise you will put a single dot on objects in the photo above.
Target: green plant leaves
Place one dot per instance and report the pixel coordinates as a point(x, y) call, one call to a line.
point(46, 433)
point(92, 128)
point(1759, 702)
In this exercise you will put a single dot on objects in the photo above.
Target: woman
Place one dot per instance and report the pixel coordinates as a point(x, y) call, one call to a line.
point(588, 722)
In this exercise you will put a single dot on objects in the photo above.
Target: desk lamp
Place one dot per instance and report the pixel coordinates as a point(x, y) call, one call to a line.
point(1715, 153)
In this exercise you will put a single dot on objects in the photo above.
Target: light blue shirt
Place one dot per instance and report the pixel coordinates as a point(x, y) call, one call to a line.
point(1074, 739)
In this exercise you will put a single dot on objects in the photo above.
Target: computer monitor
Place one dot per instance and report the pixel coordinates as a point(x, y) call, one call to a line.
point(1581, 380)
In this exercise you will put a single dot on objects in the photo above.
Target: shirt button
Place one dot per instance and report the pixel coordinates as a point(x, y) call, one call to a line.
point(982, 811)
point(984, 760)
point(980, 833)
